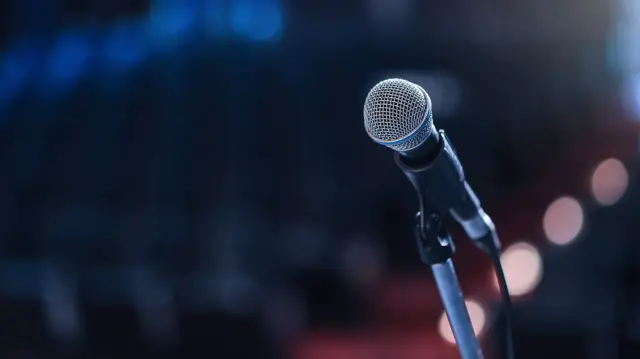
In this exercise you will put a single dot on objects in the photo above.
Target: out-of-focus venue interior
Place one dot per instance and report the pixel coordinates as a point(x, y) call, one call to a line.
point(192, 179)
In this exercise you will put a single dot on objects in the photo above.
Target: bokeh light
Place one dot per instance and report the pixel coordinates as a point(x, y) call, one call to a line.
point(14, 71)
point(609, 182)
point(478, 320)
point(563, 220)
point(69, 57)
point(522, 264)
point(258, 21)
point(124, 46)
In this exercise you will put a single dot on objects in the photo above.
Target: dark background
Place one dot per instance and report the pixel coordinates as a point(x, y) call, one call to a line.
point(188, 179)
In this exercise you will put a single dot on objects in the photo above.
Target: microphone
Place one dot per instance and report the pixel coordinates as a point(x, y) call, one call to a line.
point(398, 115)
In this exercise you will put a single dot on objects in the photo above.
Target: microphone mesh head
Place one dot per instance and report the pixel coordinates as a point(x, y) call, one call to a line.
point(397, 114)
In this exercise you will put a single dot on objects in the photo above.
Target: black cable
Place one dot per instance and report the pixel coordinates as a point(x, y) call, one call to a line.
point(507, 335)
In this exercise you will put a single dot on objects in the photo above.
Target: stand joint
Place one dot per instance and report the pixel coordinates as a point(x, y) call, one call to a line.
point(434, 241)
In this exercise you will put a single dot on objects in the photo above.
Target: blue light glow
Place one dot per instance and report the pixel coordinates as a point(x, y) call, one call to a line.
point(69, 58)
point(633, 94)
point(125, 46)
point(168, 21)
point(59, 65)
point(215, 18)
point(14, 70)
point(257, 20)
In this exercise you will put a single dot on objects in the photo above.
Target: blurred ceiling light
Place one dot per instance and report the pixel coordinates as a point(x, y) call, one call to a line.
point(631, 95)
point(522, 265)
point(563, 220)
point(478, 320)
point(626, 34)
point(609, 182)
point(624, 53)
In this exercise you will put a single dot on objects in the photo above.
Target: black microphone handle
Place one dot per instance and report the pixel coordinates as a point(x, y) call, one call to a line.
point(442, 189)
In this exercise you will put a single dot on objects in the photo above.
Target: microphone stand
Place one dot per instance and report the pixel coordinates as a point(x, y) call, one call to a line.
point(436, 249)
point(442, 189)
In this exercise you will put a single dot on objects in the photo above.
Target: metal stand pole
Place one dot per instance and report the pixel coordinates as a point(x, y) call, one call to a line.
point(436, 249)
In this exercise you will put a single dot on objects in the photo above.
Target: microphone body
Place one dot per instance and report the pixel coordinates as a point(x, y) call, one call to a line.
point(442, 188)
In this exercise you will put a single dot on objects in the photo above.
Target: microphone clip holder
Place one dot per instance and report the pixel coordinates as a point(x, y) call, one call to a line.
point(434, 241)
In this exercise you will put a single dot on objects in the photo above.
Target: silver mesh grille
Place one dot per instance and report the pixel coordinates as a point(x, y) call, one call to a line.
point(395, 114)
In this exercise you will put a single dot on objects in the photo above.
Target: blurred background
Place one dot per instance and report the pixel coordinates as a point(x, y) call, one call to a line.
point(188, 179)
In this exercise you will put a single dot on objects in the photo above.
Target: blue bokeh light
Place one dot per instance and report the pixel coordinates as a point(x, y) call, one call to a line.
point(633, 94)
point(69, 58)
point(56, 67)
point(14, 71)
point(171, 21)
point(215, 18)
point(257, 20)
point(125, 46)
